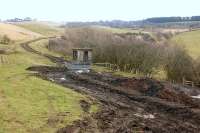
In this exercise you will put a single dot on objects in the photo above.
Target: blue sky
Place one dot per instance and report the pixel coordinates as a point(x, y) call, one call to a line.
point(92, 10)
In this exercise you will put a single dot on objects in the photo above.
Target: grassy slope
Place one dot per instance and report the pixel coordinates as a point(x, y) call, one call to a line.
point(30, 104)
point(42, 47)
point(16, 33)
point(191, 41)
point(41, 28)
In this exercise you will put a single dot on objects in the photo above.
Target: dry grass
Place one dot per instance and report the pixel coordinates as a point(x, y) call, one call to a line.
point(46, 29)
point(16, 33)
point(191, 42)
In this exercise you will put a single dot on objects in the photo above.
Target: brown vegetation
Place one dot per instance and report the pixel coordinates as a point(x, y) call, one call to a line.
point(5, 39)
point(129, 53)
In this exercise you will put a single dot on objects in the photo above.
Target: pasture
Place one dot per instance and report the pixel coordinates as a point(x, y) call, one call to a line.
point(190, 41)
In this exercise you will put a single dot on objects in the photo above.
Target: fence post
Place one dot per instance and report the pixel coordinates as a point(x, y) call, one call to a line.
point(183, 80)
point(192, 84)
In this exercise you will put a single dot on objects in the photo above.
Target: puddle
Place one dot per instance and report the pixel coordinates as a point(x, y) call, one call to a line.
point(150, 116)
point(196, 97)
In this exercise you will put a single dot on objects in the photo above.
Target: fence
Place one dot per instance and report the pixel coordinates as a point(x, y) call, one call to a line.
point(108, 65)
point(190, 83)
point(115, 68)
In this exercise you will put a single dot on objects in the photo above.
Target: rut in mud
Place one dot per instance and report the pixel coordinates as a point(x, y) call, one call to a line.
point(128, 105)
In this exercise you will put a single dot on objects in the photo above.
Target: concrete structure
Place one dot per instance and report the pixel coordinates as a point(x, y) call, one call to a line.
point(82, 55)
point(82, 59)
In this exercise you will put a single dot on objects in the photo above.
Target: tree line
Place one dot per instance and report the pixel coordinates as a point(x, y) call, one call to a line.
point(172, 19)
point(133, 24)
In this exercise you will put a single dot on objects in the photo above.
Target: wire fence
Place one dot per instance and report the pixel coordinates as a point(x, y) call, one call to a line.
point(108, 65)
point(190, 83)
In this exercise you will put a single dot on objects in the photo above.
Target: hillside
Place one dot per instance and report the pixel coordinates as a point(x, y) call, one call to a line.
point(191, 41)
point(16, 33)
point(44, 28)
point(31, 104)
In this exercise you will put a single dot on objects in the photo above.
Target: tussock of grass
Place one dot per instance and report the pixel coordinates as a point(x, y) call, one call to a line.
point(16, 33)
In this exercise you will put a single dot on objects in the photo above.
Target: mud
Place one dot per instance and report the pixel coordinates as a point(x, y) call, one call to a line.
point(85, 105)
point(128, 105)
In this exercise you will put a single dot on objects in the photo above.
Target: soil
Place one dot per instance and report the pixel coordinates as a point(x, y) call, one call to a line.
point(128, 105)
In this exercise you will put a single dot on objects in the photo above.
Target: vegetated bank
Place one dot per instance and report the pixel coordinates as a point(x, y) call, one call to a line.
point(131, 52)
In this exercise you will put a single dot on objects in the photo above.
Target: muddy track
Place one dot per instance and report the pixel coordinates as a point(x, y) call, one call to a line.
point(124, 109)
point(120, 108)
point(31, 50)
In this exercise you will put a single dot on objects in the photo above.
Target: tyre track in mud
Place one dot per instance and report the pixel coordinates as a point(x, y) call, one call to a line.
point(121, 111)
point(54, 59)
point(169, 116)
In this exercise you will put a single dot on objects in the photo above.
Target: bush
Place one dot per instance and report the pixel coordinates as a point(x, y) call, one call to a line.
point(178, 64)
point(130, 54)
point(138, 57)
point(5, 39)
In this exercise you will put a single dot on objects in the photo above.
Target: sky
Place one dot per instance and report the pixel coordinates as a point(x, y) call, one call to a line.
point(95, 10)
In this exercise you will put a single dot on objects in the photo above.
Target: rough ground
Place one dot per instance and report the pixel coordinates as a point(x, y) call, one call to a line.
point(129, 105)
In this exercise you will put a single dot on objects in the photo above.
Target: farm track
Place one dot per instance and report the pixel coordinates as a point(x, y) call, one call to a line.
point(31, 50)
point(123, 110)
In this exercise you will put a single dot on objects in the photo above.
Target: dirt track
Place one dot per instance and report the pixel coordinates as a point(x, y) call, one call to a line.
point(128, 105)
point(31, 50)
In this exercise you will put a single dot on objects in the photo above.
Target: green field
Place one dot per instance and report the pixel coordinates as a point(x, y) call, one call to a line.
point(43, 29)
point(30, 104)
point(191, 42)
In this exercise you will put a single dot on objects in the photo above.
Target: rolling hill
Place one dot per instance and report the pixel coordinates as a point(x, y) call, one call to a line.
point(28, 103)
point(44, 28)
point(16, 33)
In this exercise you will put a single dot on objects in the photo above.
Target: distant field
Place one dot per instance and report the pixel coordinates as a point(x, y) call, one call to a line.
point(120, 30)
point(41, 28)
point(16, 33)
point(191, 41)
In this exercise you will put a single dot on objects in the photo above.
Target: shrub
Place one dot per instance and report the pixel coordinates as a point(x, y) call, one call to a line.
point(178, 64)
point(5, 39)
